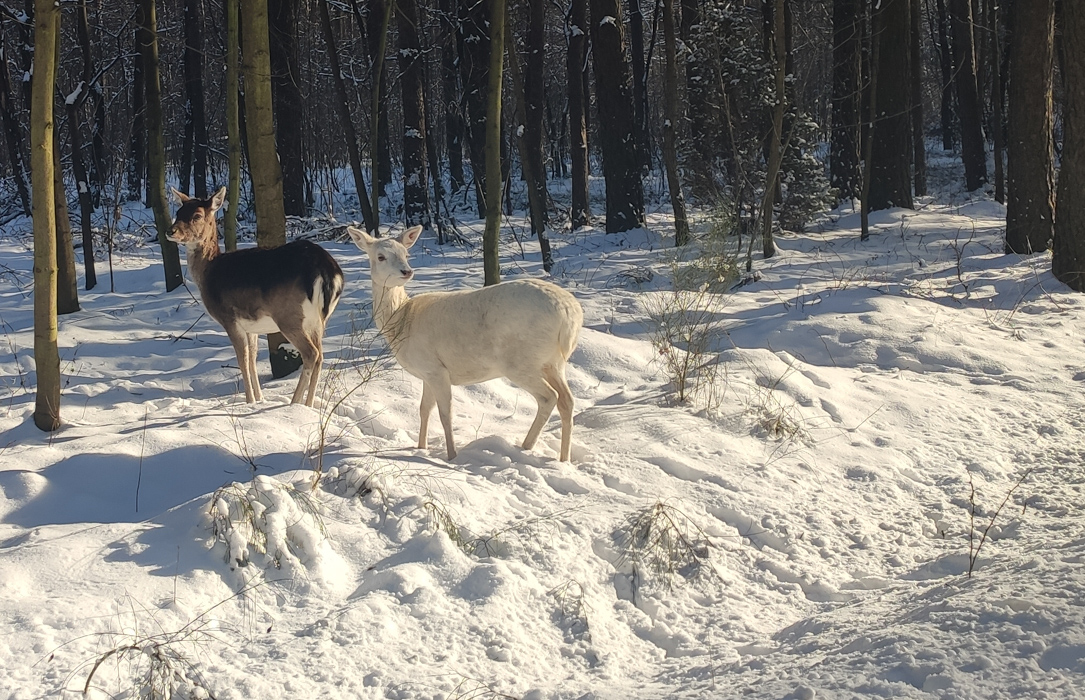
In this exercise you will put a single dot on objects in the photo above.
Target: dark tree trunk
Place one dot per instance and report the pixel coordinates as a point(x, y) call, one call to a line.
point(535, 91)
point(416, 201)
point(945, 63)
point(530, 163)
point(973, 152)
point(93, 93)
point(997, 111)
point(919, 150)
point(452, 96)
point(13, 137)
point(575, 61)
point(1030, 204)
point(891, 157)
point(1068, 254)
point(137, 154)
point(474, 45)
point(195, 120)
point(700, 156)
point(345, 122)
point(670, 125)
point(287, 102)
point(86, 207)
point(637, 65)
point(844, 151)
point(374, 31)
point(617, 137)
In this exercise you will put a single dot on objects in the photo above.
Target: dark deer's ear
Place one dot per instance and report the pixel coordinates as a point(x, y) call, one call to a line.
point(218, 199)
point(179, 196)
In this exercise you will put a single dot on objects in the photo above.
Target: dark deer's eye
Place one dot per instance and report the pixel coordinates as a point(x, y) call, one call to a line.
point(380, 258)
point(197, 217)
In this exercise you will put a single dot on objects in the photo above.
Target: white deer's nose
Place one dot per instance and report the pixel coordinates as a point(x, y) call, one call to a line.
point(407, 274)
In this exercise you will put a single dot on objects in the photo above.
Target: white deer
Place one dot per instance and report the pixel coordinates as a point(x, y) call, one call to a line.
point(523, 330)
point(291, 289)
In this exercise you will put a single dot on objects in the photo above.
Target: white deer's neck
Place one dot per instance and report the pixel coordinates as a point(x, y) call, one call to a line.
point(386, 302)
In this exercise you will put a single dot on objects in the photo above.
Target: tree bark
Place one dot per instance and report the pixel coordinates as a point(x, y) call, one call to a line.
point(1030, 204)
point(529, 165)
point(1068, 252)
point(156, 145)
point(638, 70)
point(287, 102)
point(973, 152)
point(617, 137)
point(86, 207)
point(195, 120)
point(844, 172)
point(46, 353)
point(890, 177)
point(474, 44)
point(700, 157)
point(575, 61)
point(775, 155)
point(919, 149)
point(67, 281)
point(345, 122)
point(535, 91)
point(997, 111)
point(137, 153)
point(491, 235)
point(233, 125)
point(452, 96)
point(13, 135)
point(670, 111)
point(377, 21)
point(945, 63)
point(416, 199)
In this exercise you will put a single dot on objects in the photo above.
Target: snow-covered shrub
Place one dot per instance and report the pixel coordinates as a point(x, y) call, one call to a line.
point(270, 518)
point(806, 189)
point(660, 544)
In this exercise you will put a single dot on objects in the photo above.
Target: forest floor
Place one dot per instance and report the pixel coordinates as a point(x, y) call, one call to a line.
point(885, 417)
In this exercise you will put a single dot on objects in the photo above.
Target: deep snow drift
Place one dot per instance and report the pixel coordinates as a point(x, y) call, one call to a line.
point(817, 517)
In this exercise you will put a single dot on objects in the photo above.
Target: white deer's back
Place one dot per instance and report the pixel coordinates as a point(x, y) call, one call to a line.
point(481, 334)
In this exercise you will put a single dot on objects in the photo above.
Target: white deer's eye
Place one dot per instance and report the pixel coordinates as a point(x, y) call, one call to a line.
point(380, 258)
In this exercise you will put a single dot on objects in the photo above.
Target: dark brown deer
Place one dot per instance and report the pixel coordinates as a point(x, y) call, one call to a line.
point(291, 289)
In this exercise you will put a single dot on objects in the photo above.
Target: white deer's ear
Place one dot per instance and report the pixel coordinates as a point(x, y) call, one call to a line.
point(361, 239)
point(218, 199)
point(410, 236)
point(179, 196)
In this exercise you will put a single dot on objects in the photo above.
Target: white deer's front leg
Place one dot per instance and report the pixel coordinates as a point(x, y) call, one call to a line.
point(424, 411)
point(241, 348)
point(442, 392)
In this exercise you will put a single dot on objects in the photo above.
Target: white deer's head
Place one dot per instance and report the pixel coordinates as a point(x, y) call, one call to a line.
point(387, 256)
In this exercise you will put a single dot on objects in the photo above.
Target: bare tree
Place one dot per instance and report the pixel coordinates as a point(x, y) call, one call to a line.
point(968, 98)
point(1068, 253)
point(890, 178)
point(576, 57)
point(490, 239)
point(844, 150)
point(670, 125)
point(416, 201)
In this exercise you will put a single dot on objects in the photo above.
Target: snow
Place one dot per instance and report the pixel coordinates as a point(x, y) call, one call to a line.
point(865, 389)
point(74, 95)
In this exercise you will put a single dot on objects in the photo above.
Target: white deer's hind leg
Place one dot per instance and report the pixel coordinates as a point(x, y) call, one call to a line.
point(555, 377)
point(242, 350)
point(424, 411)
point(254, 378)
point(545, 396)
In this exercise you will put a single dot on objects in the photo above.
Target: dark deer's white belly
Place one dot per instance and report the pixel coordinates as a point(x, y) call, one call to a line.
point(264, 324)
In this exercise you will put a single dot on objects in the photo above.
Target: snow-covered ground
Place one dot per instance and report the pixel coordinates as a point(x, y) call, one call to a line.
point(806, 535)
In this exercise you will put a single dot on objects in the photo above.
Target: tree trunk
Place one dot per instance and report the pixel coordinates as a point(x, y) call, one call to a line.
point(997, 110)
point(287, 102)
point(86, 207)
point(13, 136)
point(195, 120)
point(137, 153)
point(377, 22)
point(156, 145)
point(638, 69)
point(90, 88)
point(233, 125)
point(491, 236)
point(530, 163)
point(1068, 253)
point(474, 43)
point(919, 146)
point(844, 151)
point(535, 91)
point(776, 138)
point(46, 353)
point(945, 63)
point(575, 61)
point(702, 136)
point(973, 152)
point(451, 96)
point(617, 137)
point(416, 200)
point(67, 281)
point(1030, 204)
point(891, 157)
point(345, 122)
point(670, 121)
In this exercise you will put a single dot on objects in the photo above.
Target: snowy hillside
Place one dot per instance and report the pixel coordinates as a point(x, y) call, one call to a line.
point(802, 531)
